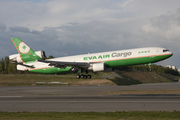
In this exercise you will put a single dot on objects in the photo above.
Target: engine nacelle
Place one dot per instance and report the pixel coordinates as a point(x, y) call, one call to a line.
point(22, 68)
point(18, 59)
point(96, 67)
point(41, 54)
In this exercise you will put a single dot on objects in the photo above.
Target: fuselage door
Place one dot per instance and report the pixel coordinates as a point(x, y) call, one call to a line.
point(157, 52)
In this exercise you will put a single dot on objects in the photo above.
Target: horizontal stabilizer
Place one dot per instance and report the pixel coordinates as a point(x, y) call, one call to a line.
point(30, 66)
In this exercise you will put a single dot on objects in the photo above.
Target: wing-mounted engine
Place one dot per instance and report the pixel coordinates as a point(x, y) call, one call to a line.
point(20, 59)
point(96, 67)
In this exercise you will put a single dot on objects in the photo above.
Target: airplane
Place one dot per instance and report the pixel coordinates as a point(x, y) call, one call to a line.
point(28, 60)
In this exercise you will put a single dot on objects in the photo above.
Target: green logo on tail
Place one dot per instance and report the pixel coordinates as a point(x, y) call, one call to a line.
point(23, 48)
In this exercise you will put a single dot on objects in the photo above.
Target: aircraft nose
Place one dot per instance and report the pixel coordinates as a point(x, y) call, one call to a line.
point(171, 53)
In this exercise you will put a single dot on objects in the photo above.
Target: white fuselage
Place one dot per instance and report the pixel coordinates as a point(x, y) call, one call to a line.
point(107, 56)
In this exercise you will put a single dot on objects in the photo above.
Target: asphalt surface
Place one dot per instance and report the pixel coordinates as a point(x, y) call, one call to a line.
point(89, 103)
point(82, 99)
point(80, 90)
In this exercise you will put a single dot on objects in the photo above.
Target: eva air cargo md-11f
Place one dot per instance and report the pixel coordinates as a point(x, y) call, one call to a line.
point(32, 61)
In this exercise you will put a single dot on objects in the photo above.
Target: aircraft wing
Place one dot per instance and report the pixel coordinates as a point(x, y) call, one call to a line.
point(62, 64)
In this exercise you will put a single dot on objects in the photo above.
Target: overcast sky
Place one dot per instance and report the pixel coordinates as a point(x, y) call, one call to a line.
point(71, 27)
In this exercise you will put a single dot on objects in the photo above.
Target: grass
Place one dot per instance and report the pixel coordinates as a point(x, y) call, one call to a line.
point(140, 77)
point(120, 78)
point(147, 77)
point(31, 79)
point(136, 115)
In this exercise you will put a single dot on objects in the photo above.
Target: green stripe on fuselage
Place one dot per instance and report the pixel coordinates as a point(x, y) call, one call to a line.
point(51, 70)
point(136, 61)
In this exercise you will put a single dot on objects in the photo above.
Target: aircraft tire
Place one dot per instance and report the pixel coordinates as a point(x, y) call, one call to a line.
point(78, 76)
point(85, 76)
point(89, 76)
point(82, 76)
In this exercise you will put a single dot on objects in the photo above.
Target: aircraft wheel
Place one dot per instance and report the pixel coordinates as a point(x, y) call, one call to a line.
point(85, 76)
point(78, 76)
point(82, 76)
point(89, 76)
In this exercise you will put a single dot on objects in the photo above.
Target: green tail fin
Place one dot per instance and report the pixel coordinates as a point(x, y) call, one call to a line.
point(25, 52)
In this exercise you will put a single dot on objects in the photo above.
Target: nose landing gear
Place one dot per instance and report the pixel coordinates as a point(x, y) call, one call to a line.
point(150, 67)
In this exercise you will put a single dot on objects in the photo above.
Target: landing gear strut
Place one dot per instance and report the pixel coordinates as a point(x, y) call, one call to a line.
point(87, 76)
point(150, 67)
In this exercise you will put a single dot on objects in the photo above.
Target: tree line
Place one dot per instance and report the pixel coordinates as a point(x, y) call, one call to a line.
point(154, 68)
point(158, 68)
point(6, 66)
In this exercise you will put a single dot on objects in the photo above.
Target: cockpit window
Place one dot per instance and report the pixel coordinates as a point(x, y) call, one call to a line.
point(165, 50)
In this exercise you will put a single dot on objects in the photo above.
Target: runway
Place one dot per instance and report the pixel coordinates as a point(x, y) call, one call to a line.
point(80, 90)
point(85, 98)
point(90, 103)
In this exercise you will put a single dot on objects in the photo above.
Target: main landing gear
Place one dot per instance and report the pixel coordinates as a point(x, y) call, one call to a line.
point(150, 67)
point(83, 76)
point(79, 75)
